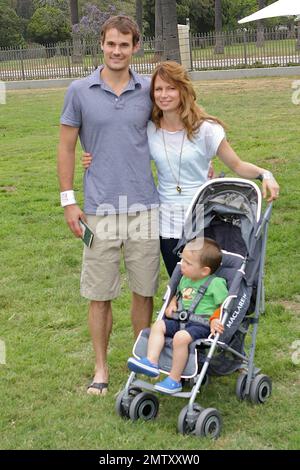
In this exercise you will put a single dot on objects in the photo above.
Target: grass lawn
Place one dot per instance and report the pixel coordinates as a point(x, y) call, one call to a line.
point(43, 322)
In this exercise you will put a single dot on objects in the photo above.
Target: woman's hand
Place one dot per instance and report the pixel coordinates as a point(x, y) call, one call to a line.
point(86, 160)
point(271, 187)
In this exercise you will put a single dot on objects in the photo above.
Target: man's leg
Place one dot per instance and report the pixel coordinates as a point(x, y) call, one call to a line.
point(100, 325)
point(141, 312)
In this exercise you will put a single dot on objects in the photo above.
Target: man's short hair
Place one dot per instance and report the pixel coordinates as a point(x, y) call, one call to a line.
point(124, 24)
point(208, 252)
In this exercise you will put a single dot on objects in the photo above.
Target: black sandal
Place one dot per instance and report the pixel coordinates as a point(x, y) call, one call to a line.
point(98, 386)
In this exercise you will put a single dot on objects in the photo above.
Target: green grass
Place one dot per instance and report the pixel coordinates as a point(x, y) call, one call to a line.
point(43, 319)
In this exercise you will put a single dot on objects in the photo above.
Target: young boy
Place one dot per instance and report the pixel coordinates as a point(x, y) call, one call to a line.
point(196, 265)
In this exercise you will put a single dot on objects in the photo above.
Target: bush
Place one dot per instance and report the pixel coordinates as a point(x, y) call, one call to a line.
point(49, 25)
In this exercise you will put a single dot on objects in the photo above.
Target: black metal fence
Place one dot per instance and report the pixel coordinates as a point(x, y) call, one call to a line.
point(78, 58)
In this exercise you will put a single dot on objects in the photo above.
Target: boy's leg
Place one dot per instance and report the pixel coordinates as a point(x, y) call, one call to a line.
point(181, 342)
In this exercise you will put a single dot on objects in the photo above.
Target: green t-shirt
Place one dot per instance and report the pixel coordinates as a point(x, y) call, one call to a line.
point(214, 296)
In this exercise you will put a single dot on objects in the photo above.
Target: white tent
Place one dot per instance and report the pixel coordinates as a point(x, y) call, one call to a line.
point(279, 8)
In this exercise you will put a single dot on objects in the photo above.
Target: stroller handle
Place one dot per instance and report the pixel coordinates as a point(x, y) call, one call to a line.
point(265, 220)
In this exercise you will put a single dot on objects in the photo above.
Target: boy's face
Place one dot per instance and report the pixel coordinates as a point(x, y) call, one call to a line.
point(191, 267)
point(118, 49)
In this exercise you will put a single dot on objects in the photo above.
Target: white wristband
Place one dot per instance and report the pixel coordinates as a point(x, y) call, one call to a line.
point(67, 198)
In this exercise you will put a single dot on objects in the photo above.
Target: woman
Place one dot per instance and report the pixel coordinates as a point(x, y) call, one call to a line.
point(183, 139)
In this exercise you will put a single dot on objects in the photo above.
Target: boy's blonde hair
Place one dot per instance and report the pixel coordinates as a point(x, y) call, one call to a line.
point(207, 251)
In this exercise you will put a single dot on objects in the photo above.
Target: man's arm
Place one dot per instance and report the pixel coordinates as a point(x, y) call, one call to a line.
point(65, 169)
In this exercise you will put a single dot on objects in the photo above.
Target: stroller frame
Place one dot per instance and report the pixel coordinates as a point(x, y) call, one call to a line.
point(134, 404)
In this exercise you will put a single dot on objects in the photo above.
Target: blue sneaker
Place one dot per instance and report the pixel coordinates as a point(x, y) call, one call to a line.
point(143, 366)
point(169, 386)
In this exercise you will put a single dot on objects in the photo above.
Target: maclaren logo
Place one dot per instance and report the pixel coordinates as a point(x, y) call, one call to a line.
point(237, 311)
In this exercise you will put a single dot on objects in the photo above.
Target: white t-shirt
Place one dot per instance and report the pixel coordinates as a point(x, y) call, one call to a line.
point(195, 160)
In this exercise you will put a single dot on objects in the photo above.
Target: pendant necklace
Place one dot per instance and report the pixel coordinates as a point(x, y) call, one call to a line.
point(177, 180)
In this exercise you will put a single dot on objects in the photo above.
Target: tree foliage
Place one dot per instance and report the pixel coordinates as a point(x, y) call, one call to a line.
point(10, 26)
point(49, 25)
point(90, 24)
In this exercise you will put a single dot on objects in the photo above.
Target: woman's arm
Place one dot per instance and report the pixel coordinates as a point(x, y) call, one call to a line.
point(248, 170)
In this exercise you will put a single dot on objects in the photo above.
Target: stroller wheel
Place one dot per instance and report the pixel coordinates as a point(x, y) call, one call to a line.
point(260, 389)
point(209, 424)
point(241, 386)
point(144, 406)
point(186, 425)
point(123, 401)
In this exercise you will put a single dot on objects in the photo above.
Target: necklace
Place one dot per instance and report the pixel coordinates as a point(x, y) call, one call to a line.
point(177, 180)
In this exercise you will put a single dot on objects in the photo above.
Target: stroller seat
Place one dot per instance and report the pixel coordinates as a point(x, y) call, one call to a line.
point(231, 263)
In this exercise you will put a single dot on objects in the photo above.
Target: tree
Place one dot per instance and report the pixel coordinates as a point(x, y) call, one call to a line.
point(10, 27)
point(219, 45)
point(159, 45)
point(74, 11)
point(62, 5)
point(298, 34)
point(170, 30)
point(139, 20)
point(24, 8)
point(49, 25)
point(89, 26)
point(260, 27)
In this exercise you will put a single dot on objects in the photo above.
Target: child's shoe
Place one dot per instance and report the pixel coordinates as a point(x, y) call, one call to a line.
point(143, 366)
point(169, 386)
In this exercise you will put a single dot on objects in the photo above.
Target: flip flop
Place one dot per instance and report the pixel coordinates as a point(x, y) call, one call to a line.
point(101, 386)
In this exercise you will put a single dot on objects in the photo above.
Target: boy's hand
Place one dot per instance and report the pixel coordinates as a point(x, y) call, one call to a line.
point(216, 327)
point(86, 160)
point(171, 308)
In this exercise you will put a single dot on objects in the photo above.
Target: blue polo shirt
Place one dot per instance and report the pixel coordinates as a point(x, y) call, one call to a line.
point(114, 130)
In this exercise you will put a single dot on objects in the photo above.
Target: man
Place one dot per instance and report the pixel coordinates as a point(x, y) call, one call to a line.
point(109, 111)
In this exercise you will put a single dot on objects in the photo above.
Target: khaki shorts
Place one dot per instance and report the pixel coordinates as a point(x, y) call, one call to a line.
point(137, 236)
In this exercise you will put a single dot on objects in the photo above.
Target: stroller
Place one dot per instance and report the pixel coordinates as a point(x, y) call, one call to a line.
point(231, 215)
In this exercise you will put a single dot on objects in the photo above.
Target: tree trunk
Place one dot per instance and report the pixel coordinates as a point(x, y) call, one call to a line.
point(24, 8)
point(298, 36)
point(260, 27)
point(76, 40)
point(159, 46)
point(170, 31)
point(74, 11)
point(139, 20)
point(219, 44)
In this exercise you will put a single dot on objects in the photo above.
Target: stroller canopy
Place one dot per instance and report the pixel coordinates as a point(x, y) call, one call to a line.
point(224, 201)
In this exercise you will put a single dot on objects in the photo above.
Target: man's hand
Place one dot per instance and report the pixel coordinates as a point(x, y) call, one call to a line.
point(216, 327)
point(72, 215)
point(211, 172)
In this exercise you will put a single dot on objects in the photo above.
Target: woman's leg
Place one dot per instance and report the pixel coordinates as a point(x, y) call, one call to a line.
point(167, 246)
